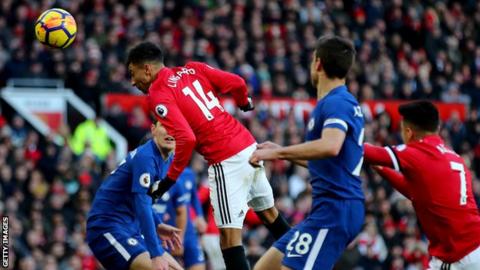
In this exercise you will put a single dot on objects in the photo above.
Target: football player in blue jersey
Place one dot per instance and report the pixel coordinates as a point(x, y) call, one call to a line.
point(333, 154)
point(173, 208)
point(122, 230)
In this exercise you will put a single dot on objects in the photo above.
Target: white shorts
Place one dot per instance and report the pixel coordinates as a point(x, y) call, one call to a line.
point(469, 262)
point(235, 186)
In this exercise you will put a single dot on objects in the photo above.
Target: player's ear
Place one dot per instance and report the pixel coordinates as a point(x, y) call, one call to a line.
point(148, 69)
point(318, 64)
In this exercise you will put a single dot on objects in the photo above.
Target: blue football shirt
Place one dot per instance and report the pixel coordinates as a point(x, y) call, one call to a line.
point(338, 177)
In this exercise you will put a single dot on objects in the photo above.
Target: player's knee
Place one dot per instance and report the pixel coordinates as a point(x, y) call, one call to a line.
point(230, 237)
point(141, 262)
point(268, 216)
point(271, 260)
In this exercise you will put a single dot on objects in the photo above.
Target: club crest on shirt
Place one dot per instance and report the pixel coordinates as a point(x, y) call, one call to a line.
point(132, 241)
point(145, 180)
point(311, 124)
point(161, 110)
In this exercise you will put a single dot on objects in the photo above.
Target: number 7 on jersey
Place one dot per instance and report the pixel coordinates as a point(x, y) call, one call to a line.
point(458, 167)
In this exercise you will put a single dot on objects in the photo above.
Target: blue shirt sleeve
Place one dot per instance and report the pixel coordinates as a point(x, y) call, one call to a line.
point(195, 201)
point(143, 209)
point(180, 196)
point(156, 219)
point(337, 113)
point(143, 173)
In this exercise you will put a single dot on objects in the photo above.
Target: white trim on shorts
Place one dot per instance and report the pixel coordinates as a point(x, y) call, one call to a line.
point(317, 245)
point(117, 246)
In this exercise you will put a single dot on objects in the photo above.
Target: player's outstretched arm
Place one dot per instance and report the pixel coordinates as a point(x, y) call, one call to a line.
point(376, 155)
point(181, 223)
point(329, 145)
point(143, 210)
point(395, 178)
point(171, 117)
point(226, 82)
point(272, 145)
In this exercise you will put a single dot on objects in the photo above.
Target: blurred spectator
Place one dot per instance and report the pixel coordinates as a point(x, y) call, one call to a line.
point(372, 248)
point(405, 50)
point(90, 136)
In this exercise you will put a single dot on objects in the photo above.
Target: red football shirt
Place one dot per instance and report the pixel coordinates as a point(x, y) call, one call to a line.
point(439, 184)
point(184, 99)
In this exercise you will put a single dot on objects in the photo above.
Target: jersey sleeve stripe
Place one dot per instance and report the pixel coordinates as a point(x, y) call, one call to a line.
point(317, 245)
point(117, 246)
point(339, 121)
point(394, 159)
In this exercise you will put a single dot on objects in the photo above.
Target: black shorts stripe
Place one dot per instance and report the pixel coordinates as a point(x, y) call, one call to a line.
point(445, 266)
point(222, 194)
point(217, 176)
point(229, 218)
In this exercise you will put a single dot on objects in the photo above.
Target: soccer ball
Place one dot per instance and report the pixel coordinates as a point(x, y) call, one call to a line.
point(56, 28)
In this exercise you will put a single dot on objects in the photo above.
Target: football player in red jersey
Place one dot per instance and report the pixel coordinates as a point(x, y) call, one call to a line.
point(438, 183)
point(184, 99)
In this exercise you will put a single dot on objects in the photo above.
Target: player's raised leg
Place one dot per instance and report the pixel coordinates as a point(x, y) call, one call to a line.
point(229, 201)
point(261, 200)
point(272, 259)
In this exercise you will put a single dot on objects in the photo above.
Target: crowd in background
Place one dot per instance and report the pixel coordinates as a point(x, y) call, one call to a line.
point(405, 50)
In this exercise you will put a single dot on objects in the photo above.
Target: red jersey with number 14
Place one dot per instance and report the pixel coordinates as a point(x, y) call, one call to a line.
point(439, 184)
point(184, 99)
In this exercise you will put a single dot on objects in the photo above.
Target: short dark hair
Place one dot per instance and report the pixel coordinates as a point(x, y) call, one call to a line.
point(145, 52)
point(423, 114)
point(337, 55)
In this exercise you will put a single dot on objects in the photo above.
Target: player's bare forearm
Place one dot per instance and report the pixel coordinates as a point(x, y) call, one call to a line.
point(181, 220)
point(328, 146)
point(300, 162)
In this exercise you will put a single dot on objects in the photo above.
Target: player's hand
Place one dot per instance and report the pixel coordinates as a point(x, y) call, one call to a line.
point(261, 155)
point(178, 252)
point(158, 188)
point(172, 263)
point(249, 106)
point(160, 263)
point(170, 236)
point(268, 145)
point(201, 225)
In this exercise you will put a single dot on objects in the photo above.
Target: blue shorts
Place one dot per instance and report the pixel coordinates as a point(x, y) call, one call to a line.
point(193, 253)
point(318, 241)
point(115, 248)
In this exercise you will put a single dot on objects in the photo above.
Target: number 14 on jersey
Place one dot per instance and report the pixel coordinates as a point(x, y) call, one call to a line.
point(206, 102)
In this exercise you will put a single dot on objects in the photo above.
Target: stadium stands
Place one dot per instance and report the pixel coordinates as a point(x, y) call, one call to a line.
point(405, 50)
